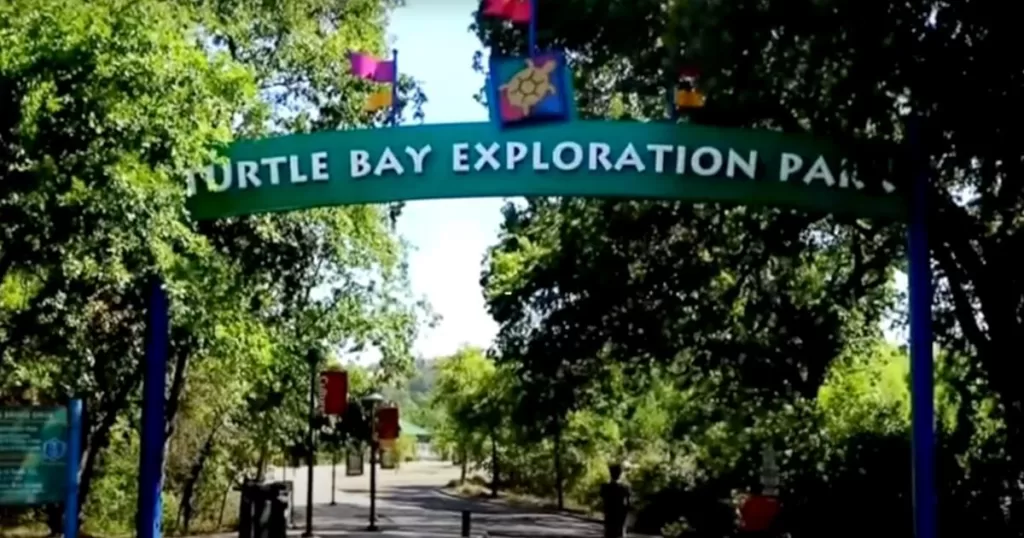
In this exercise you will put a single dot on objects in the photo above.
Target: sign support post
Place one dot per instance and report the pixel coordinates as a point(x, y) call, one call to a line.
point(74, 456)
point(922, 388)
point(154, 381)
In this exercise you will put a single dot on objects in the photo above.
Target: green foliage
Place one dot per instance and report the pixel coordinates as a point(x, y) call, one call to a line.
point(756, 325)
point(107, 105)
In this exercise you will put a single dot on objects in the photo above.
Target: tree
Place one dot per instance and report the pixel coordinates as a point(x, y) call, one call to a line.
point(108, 105)
point(851, 70)
point(460, 392)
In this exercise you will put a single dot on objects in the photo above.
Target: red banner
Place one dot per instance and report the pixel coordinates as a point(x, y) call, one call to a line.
point(387, 423)
point(757, 513)
point(333, 393)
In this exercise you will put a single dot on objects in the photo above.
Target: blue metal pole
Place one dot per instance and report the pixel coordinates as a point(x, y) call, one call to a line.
point(74, 456)
point(394, 90)
point(154, 381)
point(532, 39)
point(921, 361)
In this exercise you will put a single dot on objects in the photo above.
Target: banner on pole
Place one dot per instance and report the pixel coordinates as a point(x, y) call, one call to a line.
point(388, 459)
point(353, 462)
point(333, 393)
point(387, 423)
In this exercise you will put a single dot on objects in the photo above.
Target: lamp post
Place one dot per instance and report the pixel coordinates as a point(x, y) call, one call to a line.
point(313, 356)
point(371, 401)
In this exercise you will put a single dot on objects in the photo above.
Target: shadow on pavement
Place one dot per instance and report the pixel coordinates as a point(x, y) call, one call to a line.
point(425, 512)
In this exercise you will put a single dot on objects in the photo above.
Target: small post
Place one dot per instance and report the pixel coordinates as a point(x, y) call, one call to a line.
point(370, 403)
point(395, 108)
point(74, 456)
point(466, 522)
point(334, 474)
point(531, 45)
point(314, 385)
point(373, 486)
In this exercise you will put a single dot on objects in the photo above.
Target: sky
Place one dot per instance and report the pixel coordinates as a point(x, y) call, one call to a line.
point(449, 237)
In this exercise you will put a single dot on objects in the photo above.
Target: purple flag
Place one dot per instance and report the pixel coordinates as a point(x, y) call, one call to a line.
point(370, 68)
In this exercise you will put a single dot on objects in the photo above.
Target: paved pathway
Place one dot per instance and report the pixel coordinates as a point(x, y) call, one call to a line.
point(410, 503)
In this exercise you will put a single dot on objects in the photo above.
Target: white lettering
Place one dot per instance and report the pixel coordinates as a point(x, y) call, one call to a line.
point(748, 167)
point(225, 180)
point(319, 162)
point(848, 176)
point(538, 155)
point(486, 156)
point(460, 157)
point(660, 151)
point(190, 179)
point(630, 157)
point(599, 153)
point(680, 160)
point(360, 163)
point(559, 157)
point(274, 165)
point(791, 162)
point(697, 162)
point(515, 152)
point(418, 157)
point(388, 163)
point(248, 173)
point(293, 167)
point(820, 170)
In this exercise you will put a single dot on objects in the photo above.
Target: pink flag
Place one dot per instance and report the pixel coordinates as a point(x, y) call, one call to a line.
point(370, 68)
point(513, 10)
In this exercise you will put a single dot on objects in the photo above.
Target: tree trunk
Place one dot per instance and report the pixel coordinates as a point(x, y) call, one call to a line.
point(465, 465)
point(495, 474)
point(559, 490)
point(187, 510)
point(223, 506)
point(98, 423)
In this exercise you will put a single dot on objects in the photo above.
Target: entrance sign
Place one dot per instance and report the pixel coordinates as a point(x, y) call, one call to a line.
point(33, 455)
point(582, 158)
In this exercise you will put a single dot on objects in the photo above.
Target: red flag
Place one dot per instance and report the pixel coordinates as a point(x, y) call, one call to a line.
point(387, 423)
point(333, 393)
point(758, 512)
point(513, 10)
point(689, 72)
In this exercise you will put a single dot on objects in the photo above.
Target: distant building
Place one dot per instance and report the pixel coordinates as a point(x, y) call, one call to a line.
point(424, 448)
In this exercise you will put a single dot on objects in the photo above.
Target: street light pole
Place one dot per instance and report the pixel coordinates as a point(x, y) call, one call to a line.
point(314, 359)
point(371, 402)
point(373, 484)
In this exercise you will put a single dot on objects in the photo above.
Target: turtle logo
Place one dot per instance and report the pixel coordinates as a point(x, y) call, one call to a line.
point(54, 449)
point(528, 87)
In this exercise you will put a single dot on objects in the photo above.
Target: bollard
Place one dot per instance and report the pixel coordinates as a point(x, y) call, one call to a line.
point(465, 522)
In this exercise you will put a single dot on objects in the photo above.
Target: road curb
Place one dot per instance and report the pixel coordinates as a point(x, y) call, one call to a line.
point(540, 509)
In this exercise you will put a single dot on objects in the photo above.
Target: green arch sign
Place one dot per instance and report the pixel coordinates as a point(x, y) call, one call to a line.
point(580, 158)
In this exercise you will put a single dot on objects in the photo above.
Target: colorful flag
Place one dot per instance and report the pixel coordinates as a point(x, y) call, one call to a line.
point(689, 99)
point(378, 100)
point(689, 73)
point(370, 68)
point(513, 10)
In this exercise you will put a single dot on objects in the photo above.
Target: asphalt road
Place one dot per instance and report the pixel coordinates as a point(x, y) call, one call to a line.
point(410, 503)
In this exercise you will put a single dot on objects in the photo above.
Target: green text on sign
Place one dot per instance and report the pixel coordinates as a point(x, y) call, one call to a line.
point(33, 455)
point(582, 158)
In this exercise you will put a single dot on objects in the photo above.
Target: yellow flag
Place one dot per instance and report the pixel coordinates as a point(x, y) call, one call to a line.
point(378, 100)
point(689, 99)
